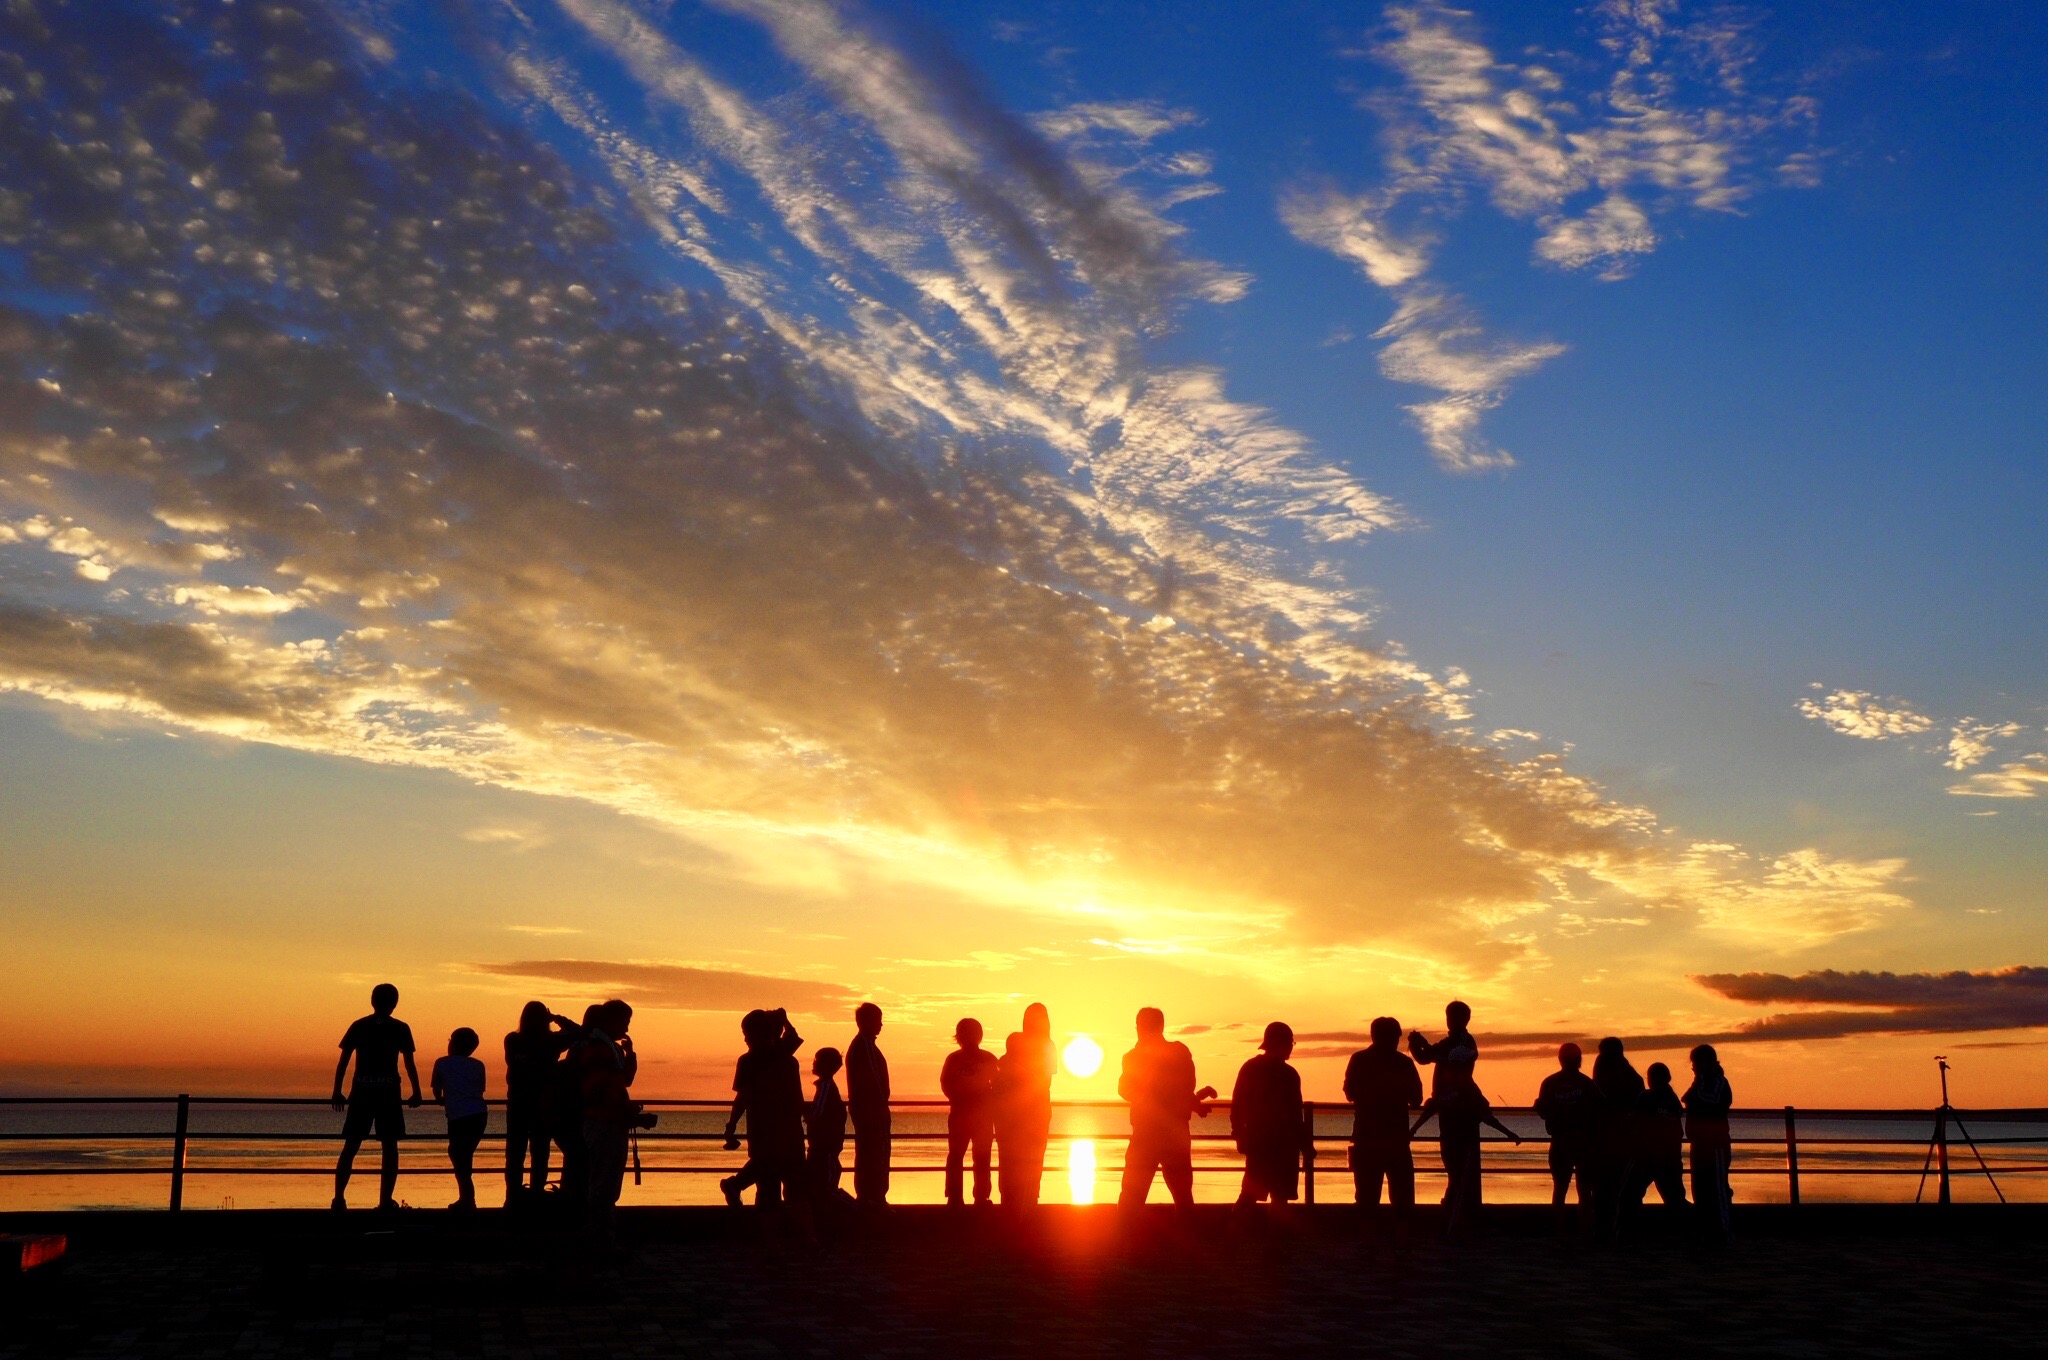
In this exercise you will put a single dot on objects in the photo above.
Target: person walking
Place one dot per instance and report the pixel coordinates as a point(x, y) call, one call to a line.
point(1383, 1085)
point(458, 1084)
point(1569, 1104)
point(376, 1042)
point(531, 1052)
point(1707, 1102)
point(1158, 1080)
point(768, 1090)
point(1024, 1107)
point(1266, 1121)
point(968, 1080)
point(867, 1099)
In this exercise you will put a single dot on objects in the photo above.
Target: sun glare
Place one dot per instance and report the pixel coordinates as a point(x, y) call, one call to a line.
point(1081, 1171)
point(1083, 1057)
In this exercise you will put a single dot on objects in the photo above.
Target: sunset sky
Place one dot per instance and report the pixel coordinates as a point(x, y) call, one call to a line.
point(1275, 511)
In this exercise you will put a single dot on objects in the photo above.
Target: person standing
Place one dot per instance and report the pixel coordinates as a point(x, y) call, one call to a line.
point(1266, 1121)
point(768, 1089)
point(458, 1084)
point(565, 1113)
point(1158, 1081)
point(1621, 1093)
point(825, 1124)
point(867, 1099)
point(1024, 1107)
point(1569, 1104)
point(968, 1081)
point(1459, 1107)
point(531, 1052)
point(1660, 1146)
point(1383, 1085)
point(1707, 1102)
point(607, 1065)
point(376, 1042)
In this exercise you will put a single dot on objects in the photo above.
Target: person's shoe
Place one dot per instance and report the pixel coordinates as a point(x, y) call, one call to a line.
point(387, 1206)
point(339, 1204)
point(730, 1185)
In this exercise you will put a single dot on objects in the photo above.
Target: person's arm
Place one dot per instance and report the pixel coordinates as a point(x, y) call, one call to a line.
point(1419, 1048)
point(791, 1040)
point(413, 1072)
point(434, 1084)
point(1486, 1117)
point(1428, 1109)
point(732, 1121)
point(340, 1071)
point(629, 1061)
point(1239, 1119)
point(1125, 1086)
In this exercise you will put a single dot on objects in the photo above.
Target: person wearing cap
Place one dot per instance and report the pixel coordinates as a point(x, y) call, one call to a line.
point(1266, 1121)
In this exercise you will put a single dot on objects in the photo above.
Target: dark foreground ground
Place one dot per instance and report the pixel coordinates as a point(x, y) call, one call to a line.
point(707, 1282)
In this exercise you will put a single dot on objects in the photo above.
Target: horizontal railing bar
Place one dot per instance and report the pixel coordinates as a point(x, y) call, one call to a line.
point(1232, 1169)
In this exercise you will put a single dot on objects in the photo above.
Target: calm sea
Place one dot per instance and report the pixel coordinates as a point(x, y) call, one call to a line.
point(269, 1156)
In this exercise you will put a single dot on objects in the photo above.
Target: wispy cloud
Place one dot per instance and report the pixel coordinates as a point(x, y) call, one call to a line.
point(1970, 742)
point(682, 987)
point(2020, 779)
point(1676, 124)
point(1856, 713)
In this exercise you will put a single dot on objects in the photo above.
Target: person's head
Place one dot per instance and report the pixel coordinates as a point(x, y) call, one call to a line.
point(1569, 1057)
point(1151, 1023)
point(615, 1018)
point(1279, 1040)
point(867, 1018)
point(1660, 1076)
point(1457, 1015)
point(1037, 1021)
point(1705, 1061)
point(462, 1042)
point(590, 1014)
point(967, 1033)
point(1386, 1032)
point(825, 1062)
point(534, 1017)
point(1610, 1048)
point(1017, 1045)
point(383, 998)
point(754, 1027)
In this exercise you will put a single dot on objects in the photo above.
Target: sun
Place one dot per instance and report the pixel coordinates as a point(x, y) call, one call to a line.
point(1083, 1056)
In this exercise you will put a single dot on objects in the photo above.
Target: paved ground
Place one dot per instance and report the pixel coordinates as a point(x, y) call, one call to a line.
point(926, 1286)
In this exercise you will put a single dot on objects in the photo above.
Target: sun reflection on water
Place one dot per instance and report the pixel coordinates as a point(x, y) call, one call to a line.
point(1081, 1171)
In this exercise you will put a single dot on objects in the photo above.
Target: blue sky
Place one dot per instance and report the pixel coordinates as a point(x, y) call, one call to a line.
point(1215, 501)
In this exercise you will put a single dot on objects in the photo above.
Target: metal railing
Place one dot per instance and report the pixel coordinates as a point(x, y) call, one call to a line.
point(1757, 1155)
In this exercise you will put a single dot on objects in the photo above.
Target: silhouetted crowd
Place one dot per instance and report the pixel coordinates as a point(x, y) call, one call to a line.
point(568, 1087)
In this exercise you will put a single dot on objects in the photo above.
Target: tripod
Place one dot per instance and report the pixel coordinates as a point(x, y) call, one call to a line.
point(1937, 1150)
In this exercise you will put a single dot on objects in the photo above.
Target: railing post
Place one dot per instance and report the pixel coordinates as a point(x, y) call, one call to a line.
point(178, 1153)
point(1941, 1151)
point(1308, 1160)
point(1792, 1155)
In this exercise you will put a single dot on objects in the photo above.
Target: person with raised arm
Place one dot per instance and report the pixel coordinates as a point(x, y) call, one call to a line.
point(1158, 1081)
point(968, 1081)
point(1569, 1104)
point(867, 1099)
point(531, 1052)
point(1460, 1109)
point(1383, 1085)
point(1266, 1121)
point(1707, 1103)
point(606, 1065)
point(376, 1042)
point(768, 1090)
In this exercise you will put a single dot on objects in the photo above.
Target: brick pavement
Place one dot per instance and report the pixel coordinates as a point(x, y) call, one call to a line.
point(928, 1286)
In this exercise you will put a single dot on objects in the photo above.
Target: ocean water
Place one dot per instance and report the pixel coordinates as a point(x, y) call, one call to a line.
point(254, 1154)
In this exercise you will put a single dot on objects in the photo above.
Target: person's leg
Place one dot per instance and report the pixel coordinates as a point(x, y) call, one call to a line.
point(350, 1145)
point(464, 1137)
point(1177, 1169)
point(1400, 1170)
point(1141, 1161)
point(605, 1175)
point(387, 1179)
point(984, 1142)
point(956, 1157)
point(518, 1138)
point(871, 1148)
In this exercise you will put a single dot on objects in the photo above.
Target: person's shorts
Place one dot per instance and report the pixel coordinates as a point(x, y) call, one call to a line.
point(376, 1107)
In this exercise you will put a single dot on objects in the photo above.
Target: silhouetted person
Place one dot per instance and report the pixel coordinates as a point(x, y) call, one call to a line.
point(377, 1041)
point(768, 1089)
point(1024, 1107)
point(531, 1052)
point(1460, 1109)
point(607, 1064)
point(1266, 1120)
point(566, 1111)
point(458, 1083)
point(1621, 1091)
point(825, 1123)
point(867, 1100)
point(1707, 1102)
point(968, 1080)
point(1660, 1145)
point(1159, 1082)
point(1382, 1084)
point(1569, 1104)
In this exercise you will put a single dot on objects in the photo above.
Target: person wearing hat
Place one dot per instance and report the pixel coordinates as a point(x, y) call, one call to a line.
point(1266, 1121)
